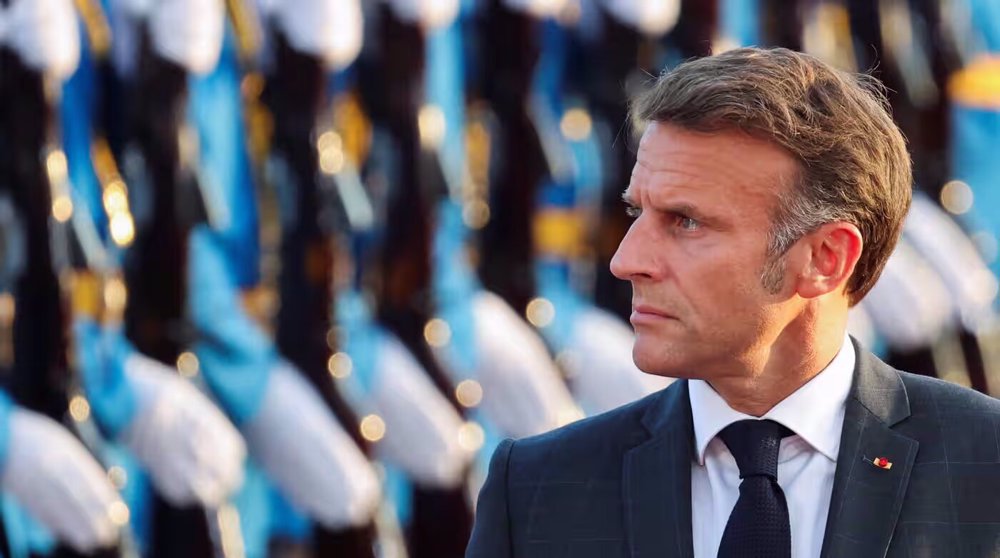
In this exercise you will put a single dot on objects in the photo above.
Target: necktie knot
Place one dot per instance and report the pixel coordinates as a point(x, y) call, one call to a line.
point(754, 444)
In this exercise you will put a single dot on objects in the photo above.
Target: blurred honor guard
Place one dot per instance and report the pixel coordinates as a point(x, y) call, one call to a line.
point(404, 158)
point(325, 474)
point(45, 469)
point(522, 389)
point(911, 310)
point(406, 422)
point(157, 44)
point(973, 193)
point(320, 471)
point(972, 288)
point(191, 452)
point(503, 372)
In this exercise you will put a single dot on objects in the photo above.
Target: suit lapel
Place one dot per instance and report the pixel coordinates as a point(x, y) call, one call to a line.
point(866, 499)
point(657, 480)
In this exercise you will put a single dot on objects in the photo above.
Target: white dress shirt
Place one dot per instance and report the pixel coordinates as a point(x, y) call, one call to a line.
point(806, 460)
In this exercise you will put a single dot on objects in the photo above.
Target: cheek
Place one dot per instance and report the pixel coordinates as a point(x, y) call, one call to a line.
point(724, 287)
point(712, 272)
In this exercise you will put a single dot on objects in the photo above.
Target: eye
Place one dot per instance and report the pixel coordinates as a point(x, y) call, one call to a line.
point(688, 224)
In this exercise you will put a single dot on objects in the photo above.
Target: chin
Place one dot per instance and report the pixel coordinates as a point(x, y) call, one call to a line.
point(658, 358)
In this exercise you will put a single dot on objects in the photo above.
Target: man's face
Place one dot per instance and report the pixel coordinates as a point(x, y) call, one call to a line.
point(697, 248)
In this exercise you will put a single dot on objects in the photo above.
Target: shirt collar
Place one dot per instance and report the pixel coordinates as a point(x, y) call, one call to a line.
point(815, 411)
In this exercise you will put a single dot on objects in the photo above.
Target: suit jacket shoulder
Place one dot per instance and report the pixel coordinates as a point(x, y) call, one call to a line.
point(956, 427)
point(568, 451)
point(953, 501)
point(931, 397)
point(560, 493)
point(938, 498)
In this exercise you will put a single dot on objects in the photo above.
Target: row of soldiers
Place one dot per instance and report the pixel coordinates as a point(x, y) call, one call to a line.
point(277, 275)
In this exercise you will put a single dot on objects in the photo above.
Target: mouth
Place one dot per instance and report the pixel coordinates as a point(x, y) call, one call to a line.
point(644, 313)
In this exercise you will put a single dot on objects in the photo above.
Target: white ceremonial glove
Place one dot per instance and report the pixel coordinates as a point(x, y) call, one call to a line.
point(523, 393)
point(429, 14)
point(44, 33)
point(650, 17)
point(953, 256)
point(192, 452)
point(329, 29)
point(599, 361)
point(188, 32)
point(909, 305)
point(57, 481)
point(421, 426)
point(303, 449)
point(536, 8)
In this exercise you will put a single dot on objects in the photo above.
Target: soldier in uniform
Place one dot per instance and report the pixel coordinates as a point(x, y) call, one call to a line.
point(45, 468)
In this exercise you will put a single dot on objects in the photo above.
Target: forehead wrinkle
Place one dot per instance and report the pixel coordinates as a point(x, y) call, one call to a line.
point(670, 193)
point(643, 171)
point(697, 173)
point(664, 155)
point(665, 172)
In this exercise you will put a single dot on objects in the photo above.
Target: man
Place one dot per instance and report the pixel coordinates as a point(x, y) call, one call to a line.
point(769, 191)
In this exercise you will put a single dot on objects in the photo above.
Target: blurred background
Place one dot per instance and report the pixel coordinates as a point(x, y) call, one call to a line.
point(278, 275)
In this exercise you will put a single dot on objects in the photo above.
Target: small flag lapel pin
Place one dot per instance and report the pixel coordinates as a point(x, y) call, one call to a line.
point(882, 463)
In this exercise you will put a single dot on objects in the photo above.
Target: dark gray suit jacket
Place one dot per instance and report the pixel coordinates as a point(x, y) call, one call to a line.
point(619, 484)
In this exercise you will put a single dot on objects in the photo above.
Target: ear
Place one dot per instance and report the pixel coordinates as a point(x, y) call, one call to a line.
point(832, 252)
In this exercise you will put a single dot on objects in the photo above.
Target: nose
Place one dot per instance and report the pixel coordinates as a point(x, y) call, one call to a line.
point(628, 262)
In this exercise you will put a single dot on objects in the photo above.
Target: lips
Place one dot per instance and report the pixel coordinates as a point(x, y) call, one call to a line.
point(645, 313)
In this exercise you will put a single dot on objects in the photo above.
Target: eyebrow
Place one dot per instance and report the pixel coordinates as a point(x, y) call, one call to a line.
point(681, 208)
point(685, 209)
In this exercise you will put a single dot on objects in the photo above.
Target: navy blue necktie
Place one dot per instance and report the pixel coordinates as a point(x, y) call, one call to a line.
point(758, 526)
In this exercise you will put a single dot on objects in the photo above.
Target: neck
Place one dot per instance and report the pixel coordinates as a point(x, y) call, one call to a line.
point(774, 371)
